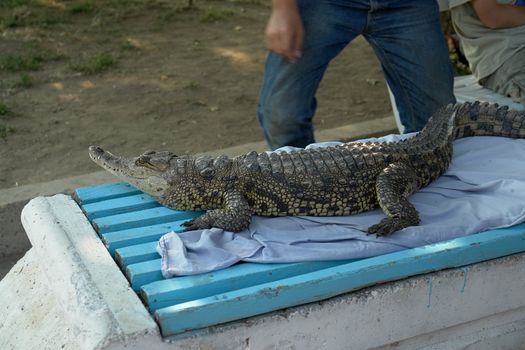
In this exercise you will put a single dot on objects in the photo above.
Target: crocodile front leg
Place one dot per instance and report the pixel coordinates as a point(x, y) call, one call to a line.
point(395, 183)
point(235, 216)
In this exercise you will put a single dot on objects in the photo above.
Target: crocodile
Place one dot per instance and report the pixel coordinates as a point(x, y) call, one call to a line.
point(344, 179)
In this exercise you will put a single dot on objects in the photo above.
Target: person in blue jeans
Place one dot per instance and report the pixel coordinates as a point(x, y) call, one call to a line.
point(303, 36)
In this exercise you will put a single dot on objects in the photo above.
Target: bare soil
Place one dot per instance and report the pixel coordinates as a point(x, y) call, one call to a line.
point(147, 74)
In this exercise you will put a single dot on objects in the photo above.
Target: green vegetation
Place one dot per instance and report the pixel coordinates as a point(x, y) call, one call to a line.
point(24, 81)
point(215, 15)
point(251, 2)
point(47, 13)
point(5, 114)
point(29, 58)
point(130, 45)
point(21, 13)
point(86, 7)
point(14, 3)
point(4, 111)
point(99, 63)
point(459, 63)
point(5, 130)
point(192, 85)
point(23, 61)
point(95, 35)
point(97, 28)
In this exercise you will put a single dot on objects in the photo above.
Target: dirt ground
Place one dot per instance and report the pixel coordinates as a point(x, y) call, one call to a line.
point(133, 75)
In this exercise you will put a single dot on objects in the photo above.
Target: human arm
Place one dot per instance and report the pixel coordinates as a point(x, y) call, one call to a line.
point(495, 15)
point(285, 31)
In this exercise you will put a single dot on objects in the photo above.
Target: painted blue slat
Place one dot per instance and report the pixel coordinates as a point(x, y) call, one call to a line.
point(178, 290)
point(329, 282)
point(143, 273)
point(136, 253)
point(119, 206)
point(140, 218)
point(123, 238)
point(86, 195)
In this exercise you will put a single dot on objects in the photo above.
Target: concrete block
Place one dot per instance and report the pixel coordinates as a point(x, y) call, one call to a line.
point(14, 241)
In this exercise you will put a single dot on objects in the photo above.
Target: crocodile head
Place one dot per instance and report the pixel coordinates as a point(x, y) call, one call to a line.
point(148, 172)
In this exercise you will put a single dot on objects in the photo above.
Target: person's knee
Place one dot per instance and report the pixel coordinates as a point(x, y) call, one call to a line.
point(272, 113)
point(284, 123)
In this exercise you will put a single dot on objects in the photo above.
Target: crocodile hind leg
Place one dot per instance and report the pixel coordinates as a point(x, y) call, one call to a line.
point(395, 183)
point(235, 216)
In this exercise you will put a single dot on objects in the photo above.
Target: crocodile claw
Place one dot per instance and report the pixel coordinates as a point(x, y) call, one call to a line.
point(196, 224)
point(388, 225)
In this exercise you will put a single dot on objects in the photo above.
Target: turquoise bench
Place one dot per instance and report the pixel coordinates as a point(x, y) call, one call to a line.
point(129, 223)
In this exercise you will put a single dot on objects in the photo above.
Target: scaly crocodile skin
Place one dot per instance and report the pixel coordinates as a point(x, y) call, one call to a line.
point(341, 180)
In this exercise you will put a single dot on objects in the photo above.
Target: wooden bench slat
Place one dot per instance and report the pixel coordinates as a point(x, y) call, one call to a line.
point(140, 218)
point(177, 290)
point(344, 278)
point(123, 238)
point(120, 205)
point(87, 195)
point(136, 253)
point(143, 273)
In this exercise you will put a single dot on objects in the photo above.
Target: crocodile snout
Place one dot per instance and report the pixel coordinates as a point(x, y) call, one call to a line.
point(95, 150)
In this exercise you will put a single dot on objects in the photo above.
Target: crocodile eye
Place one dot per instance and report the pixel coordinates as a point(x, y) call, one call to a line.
point(141, 161)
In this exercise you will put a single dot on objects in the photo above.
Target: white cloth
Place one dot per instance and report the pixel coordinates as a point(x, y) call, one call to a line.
point(484, 188)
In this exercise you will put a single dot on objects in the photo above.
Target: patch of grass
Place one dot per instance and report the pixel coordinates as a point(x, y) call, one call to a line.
point(122, 8)
point(215, 15)
point(14, 3)
point(50, 18)
point(29, 13)
point(6, 23)
point(20, 62)
point(99, 63)
point(39, 13)
point(251, 2)
point(192, 85)
point(177, 13)
point(167, 16)
point(24, 81)
point(6, 130)
point(129, 45)
point(29, 58)
point(5, 113)
point(4, 110)
point(15, 17)
point(85, 7)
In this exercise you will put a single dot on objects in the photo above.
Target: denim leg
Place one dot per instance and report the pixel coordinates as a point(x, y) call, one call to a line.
point(287, 101)
point(408, 41)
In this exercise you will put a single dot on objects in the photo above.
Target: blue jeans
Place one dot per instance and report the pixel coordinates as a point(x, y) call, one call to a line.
point(406, 37)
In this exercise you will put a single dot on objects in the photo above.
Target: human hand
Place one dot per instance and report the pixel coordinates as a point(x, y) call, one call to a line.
point(494, 15)
point(285, 31)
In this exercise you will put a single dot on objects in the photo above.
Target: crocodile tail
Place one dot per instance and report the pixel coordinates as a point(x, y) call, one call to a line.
point(485, 119)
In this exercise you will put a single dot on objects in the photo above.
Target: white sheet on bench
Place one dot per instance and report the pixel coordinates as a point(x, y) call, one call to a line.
point(483, 189)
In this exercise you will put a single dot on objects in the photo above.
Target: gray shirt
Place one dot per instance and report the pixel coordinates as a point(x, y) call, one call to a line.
point(486, 49)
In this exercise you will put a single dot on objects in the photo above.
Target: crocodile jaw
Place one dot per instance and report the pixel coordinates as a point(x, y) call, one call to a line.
point(150, 181)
